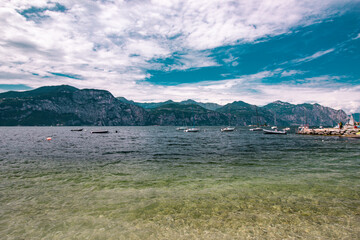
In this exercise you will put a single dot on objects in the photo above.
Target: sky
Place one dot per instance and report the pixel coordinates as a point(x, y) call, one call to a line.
point(257, 51)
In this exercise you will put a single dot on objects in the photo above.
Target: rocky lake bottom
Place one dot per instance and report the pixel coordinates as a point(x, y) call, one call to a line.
point(159, 183)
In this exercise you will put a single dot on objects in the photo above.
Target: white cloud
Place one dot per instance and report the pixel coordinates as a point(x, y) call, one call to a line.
point(109, 43)
point(344, 97)
point(314, 56)
point(357, 37)
point(291, 73)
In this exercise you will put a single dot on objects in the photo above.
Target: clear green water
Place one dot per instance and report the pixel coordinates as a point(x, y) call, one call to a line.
point(157, 183)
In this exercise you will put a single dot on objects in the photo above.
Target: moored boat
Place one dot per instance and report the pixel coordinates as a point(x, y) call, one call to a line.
point(258, 128)
point(273, 131)
point(99, 132)
point(192, 130)
point(227, 129)
point(77, 130)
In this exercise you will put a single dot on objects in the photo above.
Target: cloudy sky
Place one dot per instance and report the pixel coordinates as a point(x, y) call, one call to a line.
point(257, 51)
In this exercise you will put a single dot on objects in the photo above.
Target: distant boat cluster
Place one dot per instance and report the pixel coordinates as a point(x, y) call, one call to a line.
point(350, 129)
point(273, 130)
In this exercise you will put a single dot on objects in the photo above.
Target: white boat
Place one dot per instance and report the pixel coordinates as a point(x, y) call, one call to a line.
point(181, 128)
point(274, 131)
point(274, 127)
point(286, 129)
point(192, 130)
point(256, 129)
point(227, 129)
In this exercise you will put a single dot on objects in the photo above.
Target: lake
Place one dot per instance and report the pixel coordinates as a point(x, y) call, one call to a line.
point(159, 183)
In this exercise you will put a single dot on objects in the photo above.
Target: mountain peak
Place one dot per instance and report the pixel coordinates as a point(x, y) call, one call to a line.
point(240, 103)
point(39, 91)
point(189, 101)
point(281, 102)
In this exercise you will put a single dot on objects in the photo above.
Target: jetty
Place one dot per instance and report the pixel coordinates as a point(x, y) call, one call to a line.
point(350, 129)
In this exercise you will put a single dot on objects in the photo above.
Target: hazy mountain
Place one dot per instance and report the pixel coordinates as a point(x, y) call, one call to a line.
point(312, 114)
point(242, 113)
point(186, 115)
point(150, 105)
point(209, 106)
point(153, 105)
point(146, 105)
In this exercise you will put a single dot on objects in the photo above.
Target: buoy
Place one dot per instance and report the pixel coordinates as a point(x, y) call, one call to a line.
point(48, 138)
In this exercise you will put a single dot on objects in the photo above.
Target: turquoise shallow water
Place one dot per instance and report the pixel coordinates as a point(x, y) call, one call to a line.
point(158, 183)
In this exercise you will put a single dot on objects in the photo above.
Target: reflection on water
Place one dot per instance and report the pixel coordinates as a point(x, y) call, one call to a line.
point(159, 183)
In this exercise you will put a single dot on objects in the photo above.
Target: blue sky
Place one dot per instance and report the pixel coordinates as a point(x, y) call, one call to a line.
point(208, 50)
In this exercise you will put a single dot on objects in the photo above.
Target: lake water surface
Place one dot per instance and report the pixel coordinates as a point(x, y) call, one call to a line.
point(159, 183)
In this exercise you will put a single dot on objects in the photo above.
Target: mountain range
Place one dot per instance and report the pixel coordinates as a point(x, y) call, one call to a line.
point(150, 105)
point(67, 105)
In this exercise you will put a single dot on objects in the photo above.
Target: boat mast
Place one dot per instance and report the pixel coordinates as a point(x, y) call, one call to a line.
point(194, 121)
point(275, 119)
point(257, 116)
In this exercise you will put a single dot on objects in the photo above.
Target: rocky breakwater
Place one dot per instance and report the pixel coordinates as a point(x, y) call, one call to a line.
point(347, 131)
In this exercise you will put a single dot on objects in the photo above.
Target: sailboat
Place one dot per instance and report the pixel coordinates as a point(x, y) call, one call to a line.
point(258, 128)
point(274, 129)
point(183, 127)
point(193, 129)
point(228, 129)
point(351, 121)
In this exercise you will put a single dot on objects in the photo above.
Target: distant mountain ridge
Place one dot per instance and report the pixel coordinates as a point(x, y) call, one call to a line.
point(150, 105)
point(67, 105)
point(243, 113)
point(185, 115)
point(312, 114)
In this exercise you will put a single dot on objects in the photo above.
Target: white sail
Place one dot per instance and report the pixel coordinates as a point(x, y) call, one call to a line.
point(351, 121)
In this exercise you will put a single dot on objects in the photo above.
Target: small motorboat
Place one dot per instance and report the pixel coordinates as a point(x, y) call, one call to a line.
point(77, 130)
point(192, 130)
point(273, 131)
point(256, 129)
point(227, 129)
point(99, 132)
point(181, 128)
